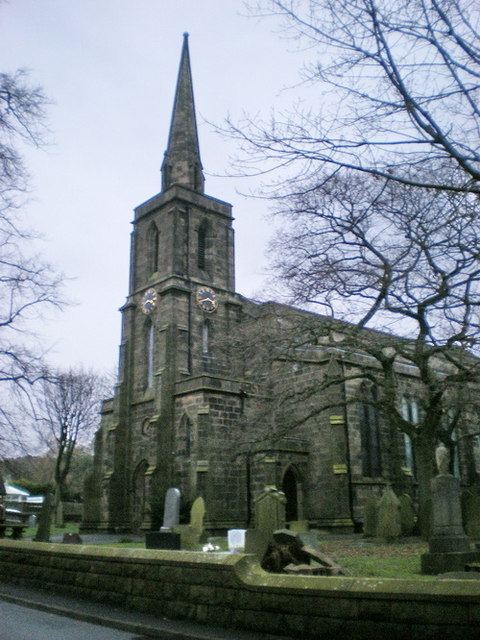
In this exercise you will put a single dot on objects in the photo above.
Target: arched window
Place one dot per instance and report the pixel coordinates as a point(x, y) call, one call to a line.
point(202, 245)
point(205, 338)
point(410, 413)
point(149, 354)
point(153, 248)
point(370, 433)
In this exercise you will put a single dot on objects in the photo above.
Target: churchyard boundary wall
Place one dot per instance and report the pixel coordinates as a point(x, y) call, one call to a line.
point(232, 590)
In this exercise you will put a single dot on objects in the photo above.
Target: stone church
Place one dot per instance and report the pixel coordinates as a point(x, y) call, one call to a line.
point(184, 413)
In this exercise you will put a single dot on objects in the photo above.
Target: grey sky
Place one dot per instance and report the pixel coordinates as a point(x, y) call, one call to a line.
point(109, 67)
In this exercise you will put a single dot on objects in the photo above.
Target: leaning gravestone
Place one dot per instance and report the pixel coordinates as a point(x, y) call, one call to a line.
point(449, 547)
point(388, 525)
point(288, 553)
point(166, 538)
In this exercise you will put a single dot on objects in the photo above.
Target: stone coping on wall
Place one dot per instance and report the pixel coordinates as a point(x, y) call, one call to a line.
point(249, 573)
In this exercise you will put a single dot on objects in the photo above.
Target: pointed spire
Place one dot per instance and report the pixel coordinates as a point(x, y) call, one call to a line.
point(182, 164)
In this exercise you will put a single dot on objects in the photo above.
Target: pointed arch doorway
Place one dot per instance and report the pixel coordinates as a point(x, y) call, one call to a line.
point(291, 489)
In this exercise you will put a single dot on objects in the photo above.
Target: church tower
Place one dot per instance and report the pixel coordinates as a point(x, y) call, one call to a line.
point(166, 425)
point(182, 417)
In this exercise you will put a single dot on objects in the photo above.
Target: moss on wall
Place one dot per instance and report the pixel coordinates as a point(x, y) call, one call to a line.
point(232, 590)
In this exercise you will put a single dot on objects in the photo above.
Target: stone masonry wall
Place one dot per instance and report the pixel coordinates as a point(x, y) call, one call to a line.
point(232, 591)
point(205, 458)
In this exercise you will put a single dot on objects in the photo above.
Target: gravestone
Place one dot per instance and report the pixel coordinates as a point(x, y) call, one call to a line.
point(370, 517)
point(388, 525)
point(166, 538)
point(171, 510)
point(407, 514)
point(236, 540)
point(45, 520)
point(191, 534)
point(269, 516)
point(270, 510)
point(287, 553)
point(197, 514)
point(72, 538)
point(471, 512)
point(449, 547)
point(447, 532)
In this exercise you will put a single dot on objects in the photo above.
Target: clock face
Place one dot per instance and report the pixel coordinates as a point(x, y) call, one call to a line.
point(207, 299)
point(149, 301)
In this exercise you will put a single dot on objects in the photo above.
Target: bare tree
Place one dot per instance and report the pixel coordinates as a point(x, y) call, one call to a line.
point(378, 196)
point(64, 410)
point(398, 84)
point(28, 285)
point(370, 252)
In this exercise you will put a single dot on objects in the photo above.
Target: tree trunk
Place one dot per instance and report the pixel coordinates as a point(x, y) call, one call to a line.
point(58, 506)
point(425, 471)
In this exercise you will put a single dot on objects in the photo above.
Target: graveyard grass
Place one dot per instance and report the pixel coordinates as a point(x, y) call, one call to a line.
point(366, 557)
point(69, 527)
point(373, 557)
point(392, 561)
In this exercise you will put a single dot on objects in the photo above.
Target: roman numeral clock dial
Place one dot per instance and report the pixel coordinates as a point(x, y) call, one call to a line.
point(149, 301)
point(207, 299)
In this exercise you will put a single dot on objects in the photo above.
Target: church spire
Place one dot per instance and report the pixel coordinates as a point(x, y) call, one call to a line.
point(182, 164)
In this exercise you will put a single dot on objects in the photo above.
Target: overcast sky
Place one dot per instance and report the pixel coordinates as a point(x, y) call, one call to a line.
point(109, 67)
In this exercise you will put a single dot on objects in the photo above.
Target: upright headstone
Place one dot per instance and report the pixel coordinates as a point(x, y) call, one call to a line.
point(449, 547)
point(370, 517)
point(270, 510)
point(45, 519)
point(388, 526)
point(407, 514)
point(190, 534)
point(236, 540)
point(447, 532)
point(171, 510)
point(197, 514)
point(167, 538)
point(269, 516)
point(471, 512)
